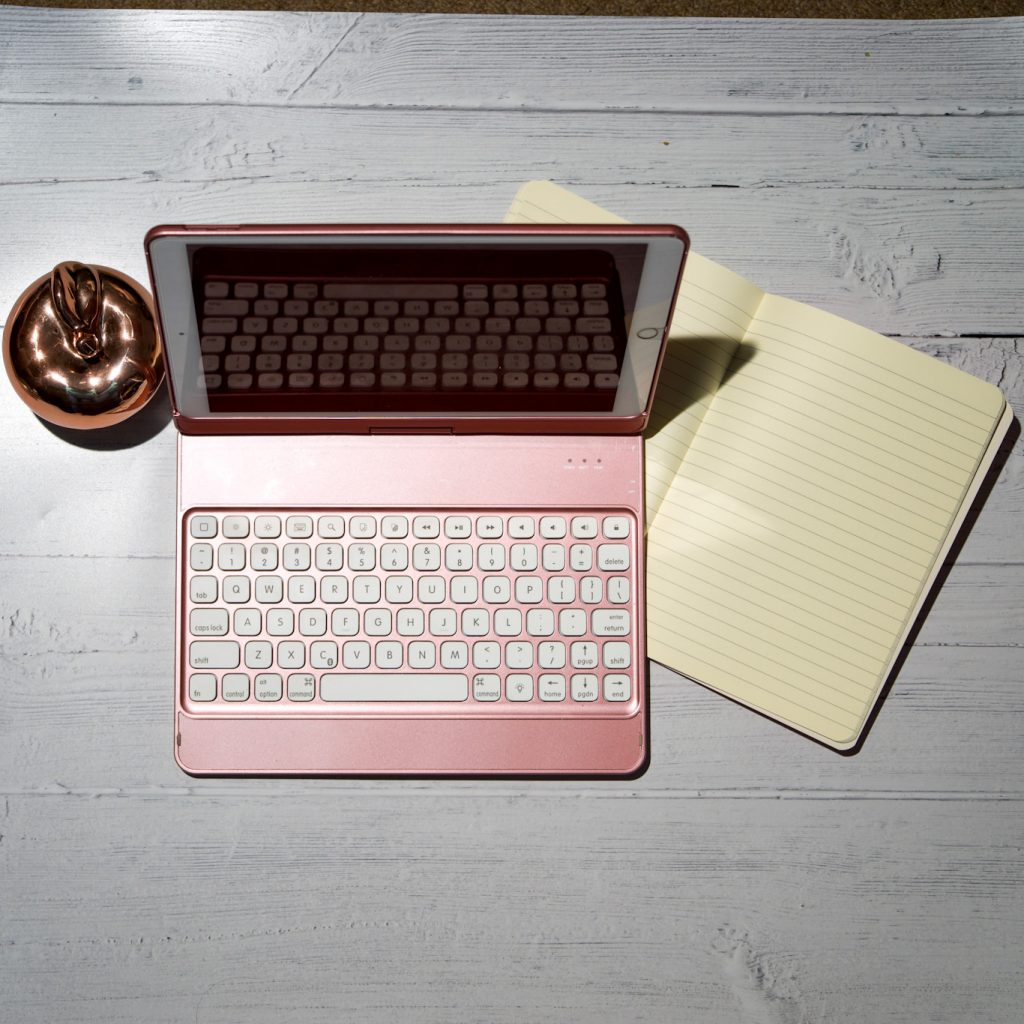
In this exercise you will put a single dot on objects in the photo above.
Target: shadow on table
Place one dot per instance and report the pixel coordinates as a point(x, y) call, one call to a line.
point(139, 429)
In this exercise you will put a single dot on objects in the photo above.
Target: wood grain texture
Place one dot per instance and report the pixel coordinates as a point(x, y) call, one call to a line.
point(750, 876)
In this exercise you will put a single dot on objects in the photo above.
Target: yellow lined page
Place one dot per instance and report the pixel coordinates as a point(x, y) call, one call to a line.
point(805, 478)
point(712, 314)
point(790, 554)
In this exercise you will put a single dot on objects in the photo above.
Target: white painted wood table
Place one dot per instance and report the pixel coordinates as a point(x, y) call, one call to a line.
point(872, 168)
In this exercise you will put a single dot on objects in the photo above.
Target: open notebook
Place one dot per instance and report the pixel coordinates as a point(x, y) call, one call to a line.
point(805, 479)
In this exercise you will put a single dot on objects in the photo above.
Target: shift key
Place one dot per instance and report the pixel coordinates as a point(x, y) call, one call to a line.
point(213, 654)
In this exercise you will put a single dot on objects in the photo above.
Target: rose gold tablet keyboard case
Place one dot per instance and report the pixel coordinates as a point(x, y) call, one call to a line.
point(404, 594)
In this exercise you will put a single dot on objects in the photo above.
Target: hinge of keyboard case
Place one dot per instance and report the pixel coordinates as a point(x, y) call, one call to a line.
point(411, 430)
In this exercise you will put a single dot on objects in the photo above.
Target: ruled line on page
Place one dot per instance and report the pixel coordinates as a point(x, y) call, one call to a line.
point(784, 577)
point(787, 545)
point(774, 617)
point(850, 680)
point(910, 407)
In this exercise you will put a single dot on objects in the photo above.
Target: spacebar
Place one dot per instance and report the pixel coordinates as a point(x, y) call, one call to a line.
point(370, 686)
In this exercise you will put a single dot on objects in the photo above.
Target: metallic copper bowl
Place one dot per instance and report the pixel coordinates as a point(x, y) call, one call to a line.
point(81, 347)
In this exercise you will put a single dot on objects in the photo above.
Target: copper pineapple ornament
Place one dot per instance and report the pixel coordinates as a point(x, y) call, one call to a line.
point(81, 347)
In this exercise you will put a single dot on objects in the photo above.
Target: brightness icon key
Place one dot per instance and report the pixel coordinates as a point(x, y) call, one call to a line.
point(519, 687)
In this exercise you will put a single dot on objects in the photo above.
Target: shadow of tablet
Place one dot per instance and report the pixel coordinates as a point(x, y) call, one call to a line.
point(130, 433)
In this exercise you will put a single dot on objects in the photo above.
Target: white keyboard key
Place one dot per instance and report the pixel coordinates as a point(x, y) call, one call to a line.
point(394, 557)
point(202, 686)
point(269, 589)
point(344, 622)
point(458, 557)
point(200, 557)
point(421, 655)
point(521, 527)
point(551, 687)
point(235, 686)
point(267, 686)
point(616, 687)
point(377, 622)
point(616, 654)
point(202, 589)
point(362, 557)
point(394, 527)
point(280, 622)
point(366, 589)
point(529, 590)
point(430, 589)
point(476, 621)
point(248, 622)
point(301, 686)
point(519, 686)
point(591, 589)
point(213, 654)
point(490, 557)
point(291, 654)
point(443, 621)
point(572, 622)
point(208, 622)
point(553, 557)
point(486, 654)
point(398, 589)
point(618, 589)
point(295, 557)
point(331, 527)
point(426, 527)
point(426, 557)
point(523, 557)
point(561, 589)
point(540, 622)
point(362, 527)
point(236, 527)
point(259, 654)
point(584, 527)
point(301, 589)
point(610, 622)
point(312, 622)
point(615, 527)
point(497, 589)
point(552, 527)
point(613, 557)
point(486, 687)
point(454, 654)
point(551, 654)
point(203, 526)
point(489, 527)
point(355, 654)
point(410, 622)
point(583, 687)
point(299, 526)
point(508, 622)
point(323, 654)
point(394, 687)
point(388, 654)
point(329, 557)
point(334, 589)
point(583, 654)
point(231, 557)
point(458, 527)
point(581, 558)
point(519, 654)
point(263, 557)
point(267, 527)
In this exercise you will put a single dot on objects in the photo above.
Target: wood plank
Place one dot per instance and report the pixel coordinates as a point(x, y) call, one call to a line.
point(88, 704)
point(404, 905)
point(343, 59)
point(888, 259)
point(223, 144)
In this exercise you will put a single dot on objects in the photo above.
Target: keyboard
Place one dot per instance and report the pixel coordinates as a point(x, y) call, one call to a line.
point(394, 336)
point(526, 612)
